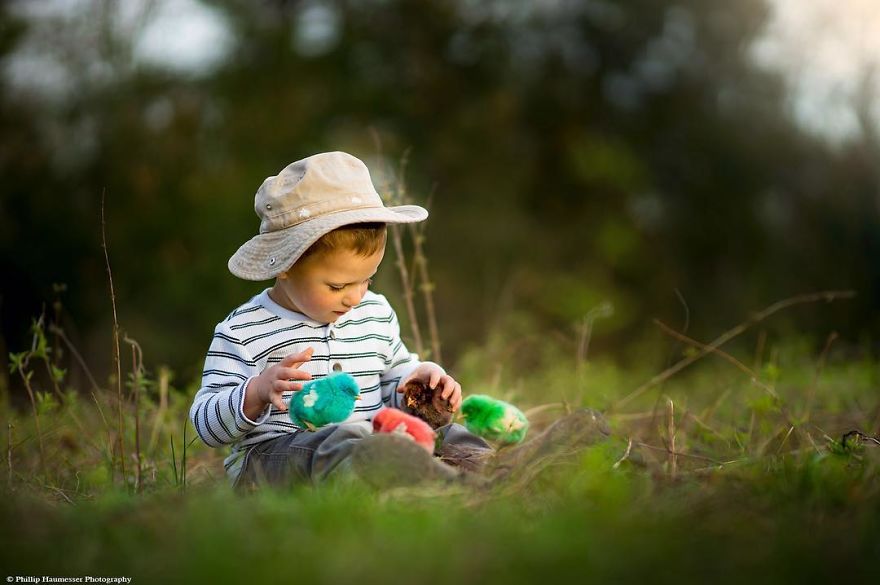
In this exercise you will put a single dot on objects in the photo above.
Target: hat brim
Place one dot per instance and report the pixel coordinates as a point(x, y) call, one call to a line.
point(265, 256)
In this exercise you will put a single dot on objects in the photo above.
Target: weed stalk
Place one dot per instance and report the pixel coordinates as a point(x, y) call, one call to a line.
point(827, 296)
point(137, 372)
point(120, 431)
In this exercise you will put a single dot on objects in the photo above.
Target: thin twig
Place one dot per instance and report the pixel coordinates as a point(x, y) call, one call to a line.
point(600, 311)
point(784, 440)
point(670, 436)
point(541, 408)
point(631, 415)
point(25, 377)
point(697, 420)
point(10, 428)
point(679, 453)
point(116, 355)
point(406, 282)
point(45, 356)
point(759, 350)
point(164, 376)
point(417, 232)
point(811, 391)
point(754, 376)
point(629, 446)
point(827, 296)
point(59, 333)
point(61, 493)
point(137, 368)
point(406, 278)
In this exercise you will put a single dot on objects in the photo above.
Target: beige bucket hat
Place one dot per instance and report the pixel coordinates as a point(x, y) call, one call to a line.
point(303, 202)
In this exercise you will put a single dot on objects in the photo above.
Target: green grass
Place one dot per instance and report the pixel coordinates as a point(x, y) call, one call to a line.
point(761, 489)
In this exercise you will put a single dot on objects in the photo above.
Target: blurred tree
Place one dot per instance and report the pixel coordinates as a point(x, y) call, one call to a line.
point(578, 151)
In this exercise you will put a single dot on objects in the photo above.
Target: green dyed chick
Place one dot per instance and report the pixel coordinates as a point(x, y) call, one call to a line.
point(325, 401)
point(494, 419)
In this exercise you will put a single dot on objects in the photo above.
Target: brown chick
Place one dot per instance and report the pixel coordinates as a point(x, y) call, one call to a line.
point(427, 404)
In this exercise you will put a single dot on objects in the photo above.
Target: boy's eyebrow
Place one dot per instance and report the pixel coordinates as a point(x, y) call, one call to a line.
point(347, 283)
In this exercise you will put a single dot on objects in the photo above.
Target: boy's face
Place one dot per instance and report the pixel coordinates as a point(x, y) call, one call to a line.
point(326, 285)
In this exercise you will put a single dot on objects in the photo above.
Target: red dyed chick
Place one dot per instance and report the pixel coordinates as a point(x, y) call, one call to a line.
point(392, 420)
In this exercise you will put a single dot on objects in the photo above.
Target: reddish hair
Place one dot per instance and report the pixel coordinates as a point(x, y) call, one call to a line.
point(364, 239)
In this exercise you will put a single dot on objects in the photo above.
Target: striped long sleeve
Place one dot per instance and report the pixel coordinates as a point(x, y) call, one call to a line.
point(217, 412)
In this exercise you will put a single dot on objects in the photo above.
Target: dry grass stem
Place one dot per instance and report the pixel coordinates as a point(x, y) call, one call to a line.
point(623, 417)
point(426, 286)
point(26, 378)
point(679, 453)
point(670, 436)
point(542, 408)
point(59, 334)
point(137, 370)
point(759, 350)
point(10, 428)
point(820, 365)
point(116, 356)
point(703, 425)
point(827, 296)
point(784, 440)
point(164, 380)
point(626, 453)
point(723, 354)
point(601, 311)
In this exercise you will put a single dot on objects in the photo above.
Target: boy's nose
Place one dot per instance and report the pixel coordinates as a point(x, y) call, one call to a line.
point(353, 298)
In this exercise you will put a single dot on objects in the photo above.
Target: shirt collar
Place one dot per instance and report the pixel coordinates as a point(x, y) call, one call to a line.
point(264, 299)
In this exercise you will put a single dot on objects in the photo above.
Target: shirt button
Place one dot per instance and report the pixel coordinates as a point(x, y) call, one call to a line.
point(332, 334)
point(337, 367)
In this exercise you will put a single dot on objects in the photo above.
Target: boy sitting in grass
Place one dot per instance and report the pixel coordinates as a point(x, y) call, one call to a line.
point(322, 238)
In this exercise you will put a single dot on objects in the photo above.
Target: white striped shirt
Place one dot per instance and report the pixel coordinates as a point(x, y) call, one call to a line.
point(365, 342)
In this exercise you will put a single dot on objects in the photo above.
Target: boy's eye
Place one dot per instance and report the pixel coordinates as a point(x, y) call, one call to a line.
point(337, 288)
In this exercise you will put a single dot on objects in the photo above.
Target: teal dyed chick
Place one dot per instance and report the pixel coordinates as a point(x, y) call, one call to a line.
point(494, 419)
point(325, 401)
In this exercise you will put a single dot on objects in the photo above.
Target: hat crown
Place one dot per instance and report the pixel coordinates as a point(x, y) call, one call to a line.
point(314, 186)
point(306, 200)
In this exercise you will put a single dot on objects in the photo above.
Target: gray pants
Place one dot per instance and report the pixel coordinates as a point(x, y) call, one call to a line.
point(304, 456)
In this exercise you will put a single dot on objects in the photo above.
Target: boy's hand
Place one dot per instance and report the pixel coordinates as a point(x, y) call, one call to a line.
point(275, 380)
point(449, 396)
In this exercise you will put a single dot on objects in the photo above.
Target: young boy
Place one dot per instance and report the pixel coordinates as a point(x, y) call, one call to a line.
point(322, 238)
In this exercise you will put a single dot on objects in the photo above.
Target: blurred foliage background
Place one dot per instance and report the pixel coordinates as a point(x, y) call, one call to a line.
point(571, 153)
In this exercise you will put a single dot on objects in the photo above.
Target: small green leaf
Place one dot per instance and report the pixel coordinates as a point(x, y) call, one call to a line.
point(17, 361)
point(58, 373)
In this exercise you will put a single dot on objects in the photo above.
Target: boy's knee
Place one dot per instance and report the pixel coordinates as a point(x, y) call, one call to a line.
point(353, 430)
point(456, 434)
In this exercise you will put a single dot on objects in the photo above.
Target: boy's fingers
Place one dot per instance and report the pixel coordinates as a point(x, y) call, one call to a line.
point(278, 386)
point(456, 399)
point(294, 360)
point(403, 384)
point(279, 403)
point(448, 388)
point(435, 379)
point(294, 374)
